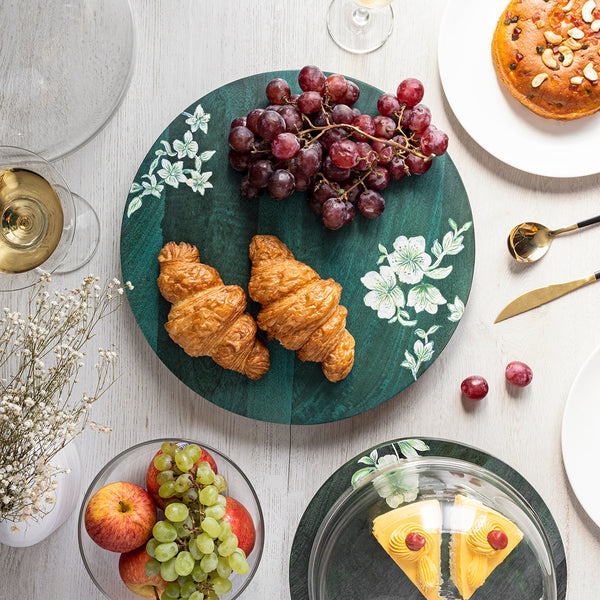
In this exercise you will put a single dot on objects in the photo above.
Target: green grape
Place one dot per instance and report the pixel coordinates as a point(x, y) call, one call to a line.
point(166, 596)
point(172, 589)
point(197, 595)
point(163, 462)
point(213, 596)
point(167, 570)
point(190, 496)
point(177, 512)
point(151, 545)
point(221, 585)
point(184, 529)
point(223, 568)
point(225, 530)
point(205, 544)
point(182, 580)
point(182, 483)
point(152, 567)
point(208, 495)
point(193, 451)
point(238, 562)
point(183, 462)
point(220, 483)
point(194, 550)
point(209, 562)
point(216, 511)
point(166, 551)
point(164, 476)
point(198, 574)
point(222, 501)
point(169, 448)
point(204, 474)
point(164, 531)
point(184, 563)
point(167, 489)
point(187, 589)
point(210, 526)
point(228, 545)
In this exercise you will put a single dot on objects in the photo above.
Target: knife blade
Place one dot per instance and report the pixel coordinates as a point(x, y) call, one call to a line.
point(540, 296)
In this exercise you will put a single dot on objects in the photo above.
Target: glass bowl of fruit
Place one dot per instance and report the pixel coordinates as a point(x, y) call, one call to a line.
point(433, 527)
point(171, 519)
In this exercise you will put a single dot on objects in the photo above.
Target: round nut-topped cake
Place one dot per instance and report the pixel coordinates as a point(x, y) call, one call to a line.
point(547, 53)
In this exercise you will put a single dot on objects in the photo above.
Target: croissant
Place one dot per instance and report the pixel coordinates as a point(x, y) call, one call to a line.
point(207, 317)
point(299, 308)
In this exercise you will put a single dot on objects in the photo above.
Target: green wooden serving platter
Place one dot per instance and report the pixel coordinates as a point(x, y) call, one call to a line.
point(363, 570)
point(406, 275)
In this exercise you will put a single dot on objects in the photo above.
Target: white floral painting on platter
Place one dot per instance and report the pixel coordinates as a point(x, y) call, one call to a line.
point(400, 291)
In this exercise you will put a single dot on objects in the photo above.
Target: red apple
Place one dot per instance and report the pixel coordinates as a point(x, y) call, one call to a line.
point(119, 517)
point(131, 570)
point(241, 524)
point(152, 485)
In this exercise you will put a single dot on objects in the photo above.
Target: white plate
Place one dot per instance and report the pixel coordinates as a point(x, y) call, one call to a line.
point(491, 116)
point(580, 433)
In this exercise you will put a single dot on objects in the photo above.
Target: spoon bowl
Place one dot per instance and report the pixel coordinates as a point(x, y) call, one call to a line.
point(529, 241)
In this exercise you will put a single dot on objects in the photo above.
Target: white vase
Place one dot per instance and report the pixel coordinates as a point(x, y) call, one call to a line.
point(66, 495)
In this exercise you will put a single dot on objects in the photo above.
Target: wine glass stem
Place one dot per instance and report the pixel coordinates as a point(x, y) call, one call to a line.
point(360, 16)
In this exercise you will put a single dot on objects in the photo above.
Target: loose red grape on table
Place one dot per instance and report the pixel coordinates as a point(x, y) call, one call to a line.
point(318, 142)
point(518, 373)
point(474, 387)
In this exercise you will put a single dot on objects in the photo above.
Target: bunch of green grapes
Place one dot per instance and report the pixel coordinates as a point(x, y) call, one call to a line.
point(192, 548)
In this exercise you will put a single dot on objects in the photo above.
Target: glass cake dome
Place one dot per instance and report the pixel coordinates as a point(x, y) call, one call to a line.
point(432, 527)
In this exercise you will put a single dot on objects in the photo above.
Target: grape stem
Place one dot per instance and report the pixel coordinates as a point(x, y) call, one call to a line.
point(156, 596)
point(324, 128)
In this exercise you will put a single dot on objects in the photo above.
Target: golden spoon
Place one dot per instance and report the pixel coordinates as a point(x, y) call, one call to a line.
point(528, 242)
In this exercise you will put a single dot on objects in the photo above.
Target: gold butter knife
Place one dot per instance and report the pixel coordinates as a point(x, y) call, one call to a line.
point(536, 298)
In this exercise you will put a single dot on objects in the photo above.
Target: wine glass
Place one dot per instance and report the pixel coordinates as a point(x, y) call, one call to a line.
point(360, 26)
point(44, 227)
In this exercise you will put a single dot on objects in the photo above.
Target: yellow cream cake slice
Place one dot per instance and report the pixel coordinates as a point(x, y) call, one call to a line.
point(412, 536)
point(481, 539)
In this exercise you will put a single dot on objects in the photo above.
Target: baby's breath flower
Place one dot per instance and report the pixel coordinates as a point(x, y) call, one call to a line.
point(39, 414)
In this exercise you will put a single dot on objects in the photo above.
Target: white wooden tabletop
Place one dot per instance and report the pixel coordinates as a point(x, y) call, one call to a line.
point(187, 48)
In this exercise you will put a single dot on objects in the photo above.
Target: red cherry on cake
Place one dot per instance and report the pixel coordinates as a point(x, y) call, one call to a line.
point(415, 541)
point(497, 539)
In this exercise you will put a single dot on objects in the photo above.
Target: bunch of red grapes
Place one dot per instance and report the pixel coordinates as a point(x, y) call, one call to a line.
point(318, 142)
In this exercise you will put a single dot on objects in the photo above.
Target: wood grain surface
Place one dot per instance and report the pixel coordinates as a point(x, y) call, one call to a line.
point(187, 48)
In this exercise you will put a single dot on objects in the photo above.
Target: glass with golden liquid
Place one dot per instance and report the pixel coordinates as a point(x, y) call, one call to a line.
point(37, 218)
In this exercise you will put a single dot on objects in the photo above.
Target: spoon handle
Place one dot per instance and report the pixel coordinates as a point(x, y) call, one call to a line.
point(587, 222)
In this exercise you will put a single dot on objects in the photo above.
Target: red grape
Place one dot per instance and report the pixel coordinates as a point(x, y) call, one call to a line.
point(417, 165)
point(434, 141)
point(240, 161)
point(344, 154)
point(241, 138)
point(410, 92)
point(280, 184)
point(384, 152)
point(331, 136)
point(396, 168)
point(322, 118)
point(302, 182)
point(259, 173)
point(385, 128)
point(364, 123)
point(309, 102)
point(417, 118)
point(367, 156)
point(252, 119)
point(309, 158)
point(334, 173)
point(371, 204)
point(518, 373)
point(474, 387)
point(278, 91)
point(352, 94)
point(311, 79)
point(388, 105)
point(342, 113)
point(333, 213)
point(324, 191)
point(270, 124)
point(284, 146)
point(293, 119)
point(336, 86)
point(497, 539)
point(350, 212)
point(238, 122)
point(377, 179)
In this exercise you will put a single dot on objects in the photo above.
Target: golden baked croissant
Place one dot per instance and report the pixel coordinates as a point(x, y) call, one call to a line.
point(299, 308)
point(207, 317)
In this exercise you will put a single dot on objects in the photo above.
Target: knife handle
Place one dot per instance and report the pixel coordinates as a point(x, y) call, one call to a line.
point(587, 222)
point(597, 275)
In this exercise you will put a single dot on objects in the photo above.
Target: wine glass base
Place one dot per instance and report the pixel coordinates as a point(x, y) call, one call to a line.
point(86, 237)
point(359, 30)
